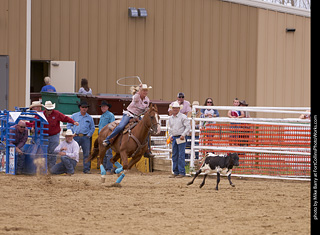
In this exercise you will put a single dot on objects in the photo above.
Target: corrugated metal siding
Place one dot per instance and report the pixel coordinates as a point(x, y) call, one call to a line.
point(283, 70)
point(13, 44)
point(205, 48)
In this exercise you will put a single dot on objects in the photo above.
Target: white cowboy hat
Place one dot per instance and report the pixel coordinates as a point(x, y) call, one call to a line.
point(195, 103)
point(48, 105)
point(36, 104)
point(175, 104)
point(145, 86)
point(69, 133)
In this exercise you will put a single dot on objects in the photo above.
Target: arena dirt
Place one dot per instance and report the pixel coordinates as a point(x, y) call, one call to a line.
point(151, 204)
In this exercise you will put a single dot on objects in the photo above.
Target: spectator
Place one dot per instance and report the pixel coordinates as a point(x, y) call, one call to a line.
point(84, 89)
point(36, 106)
point(48, 87)
point(305, 116)
point(54, 117)
point(20, 139)
point(106, 118)
point(184, 104)
point(69, 152)
point(179, 127)
point(246, 113)
point(209, 112)
point(83, 132)
point(235, 113)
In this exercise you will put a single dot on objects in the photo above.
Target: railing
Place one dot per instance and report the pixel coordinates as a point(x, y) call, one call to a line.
point(274, 147)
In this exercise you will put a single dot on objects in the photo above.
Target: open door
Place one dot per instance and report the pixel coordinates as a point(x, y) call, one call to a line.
point(4, 81)
point(63, 75)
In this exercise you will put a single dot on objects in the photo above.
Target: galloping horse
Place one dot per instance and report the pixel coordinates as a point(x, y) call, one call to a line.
point(131, 144)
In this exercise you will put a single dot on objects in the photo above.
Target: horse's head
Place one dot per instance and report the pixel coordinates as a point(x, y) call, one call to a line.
point(154, 118)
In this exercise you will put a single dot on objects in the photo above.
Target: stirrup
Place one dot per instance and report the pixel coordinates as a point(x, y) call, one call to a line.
point(105, 143)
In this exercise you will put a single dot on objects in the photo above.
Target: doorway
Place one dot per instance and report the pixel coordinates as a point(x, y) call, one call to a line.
point(4, 81)
point(39, 70)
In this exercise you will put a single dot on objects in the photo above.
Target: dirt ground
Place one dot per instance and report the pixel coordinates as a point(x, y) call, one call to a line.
point(151, 203)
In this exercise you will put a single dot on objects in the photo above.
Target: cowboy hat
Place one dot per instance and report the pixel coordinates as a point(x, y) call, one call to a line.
point(243, 102)
point(105, 103)
point(36, 104)
point(69, 133)
point(83, 103)
point(145, 86)
point(48, 105)
point(175, 104)
point(195, 103)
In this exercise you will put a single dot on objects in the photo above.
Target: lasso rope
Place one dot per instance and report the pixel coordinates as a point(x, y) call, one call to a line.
point(118, 81)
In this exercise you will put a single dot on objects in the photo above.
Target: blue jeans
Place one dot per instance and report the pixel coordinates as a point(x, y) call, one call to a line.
point(53, 143)
point(67, 165)
point(20, 162)
point(85, 143)
point(124, 121)
point(106, 160)
point(178, 157)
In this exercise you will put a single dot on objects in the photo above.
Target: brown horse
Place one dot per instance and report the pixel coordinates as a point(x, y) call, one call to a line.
point(133, 143)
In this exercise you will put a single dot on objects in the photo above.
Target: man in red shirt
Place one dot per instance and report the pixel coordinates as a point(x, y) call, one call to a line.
point(54, 117)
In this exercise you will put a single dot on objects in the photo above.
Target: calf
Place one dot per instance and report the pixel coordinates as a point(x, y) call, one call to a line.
point(217, 163)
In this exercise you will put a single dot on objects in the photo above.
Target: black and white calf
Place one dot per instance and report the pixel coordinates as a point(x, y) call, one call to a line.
point(217, 164)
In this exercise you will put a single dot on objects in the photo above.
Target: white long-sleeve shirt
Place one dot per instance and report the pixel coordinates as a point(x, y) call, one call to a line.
point(72, 149)
point(179, 125)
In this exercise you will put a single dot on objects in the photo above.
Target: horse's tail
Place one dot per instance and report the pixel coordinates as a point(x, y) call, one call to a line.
point(95, 151)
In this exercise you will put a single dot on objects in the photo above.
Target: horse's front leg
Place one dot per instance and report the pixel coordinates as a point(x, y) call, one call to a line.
point(124, 159)
point(137, 158)
point(115, 158)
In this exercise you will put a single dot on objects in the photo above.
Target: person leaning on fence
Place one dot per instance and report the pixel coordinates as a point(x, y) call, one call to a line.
point(69, 152)
point(83, 132)
point(209, 112)
point(54, 117)
point(179, 127)
point(184, 104)
point(37, 107)
point(235, 113)
point(246, 113)
point(48, 87)
point(20, 139)
point(106, 118)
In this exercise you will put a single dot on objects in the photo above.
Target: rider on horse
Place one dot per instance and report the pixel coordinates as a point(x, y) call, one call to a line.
point(137, 107)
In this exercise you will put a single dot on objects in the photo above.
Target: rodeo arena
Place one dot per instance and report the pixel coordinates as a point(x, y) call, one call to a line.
point(115, 132)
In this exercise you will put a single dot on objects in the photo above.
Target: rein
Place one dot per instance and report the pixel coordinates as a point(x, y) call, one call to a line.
point(140, 146)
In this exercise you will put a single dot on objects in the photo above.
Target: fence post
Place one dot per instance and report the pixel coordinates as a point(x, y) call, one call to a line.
point(193, 138)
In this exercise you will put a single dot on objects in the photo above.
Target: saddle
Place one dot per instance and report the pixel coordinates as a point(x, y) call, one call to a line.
point(127, 129)
point(132, 123)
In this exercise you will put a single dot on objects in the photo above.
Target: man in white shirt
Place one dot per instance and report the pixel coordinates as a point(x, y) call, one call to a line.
point(69, 152)
point(179, 128)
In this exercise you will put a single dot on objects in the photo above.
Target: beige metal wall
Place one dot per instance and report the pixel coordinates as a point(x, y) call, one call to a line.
point(205, 48)
point(13, 44)
point(283, 60)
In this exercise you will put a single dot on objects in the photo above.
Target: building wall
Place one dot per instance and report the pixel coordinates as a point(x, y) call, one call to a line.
point(283, 67)
point(204, 48)
point(13, 44)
